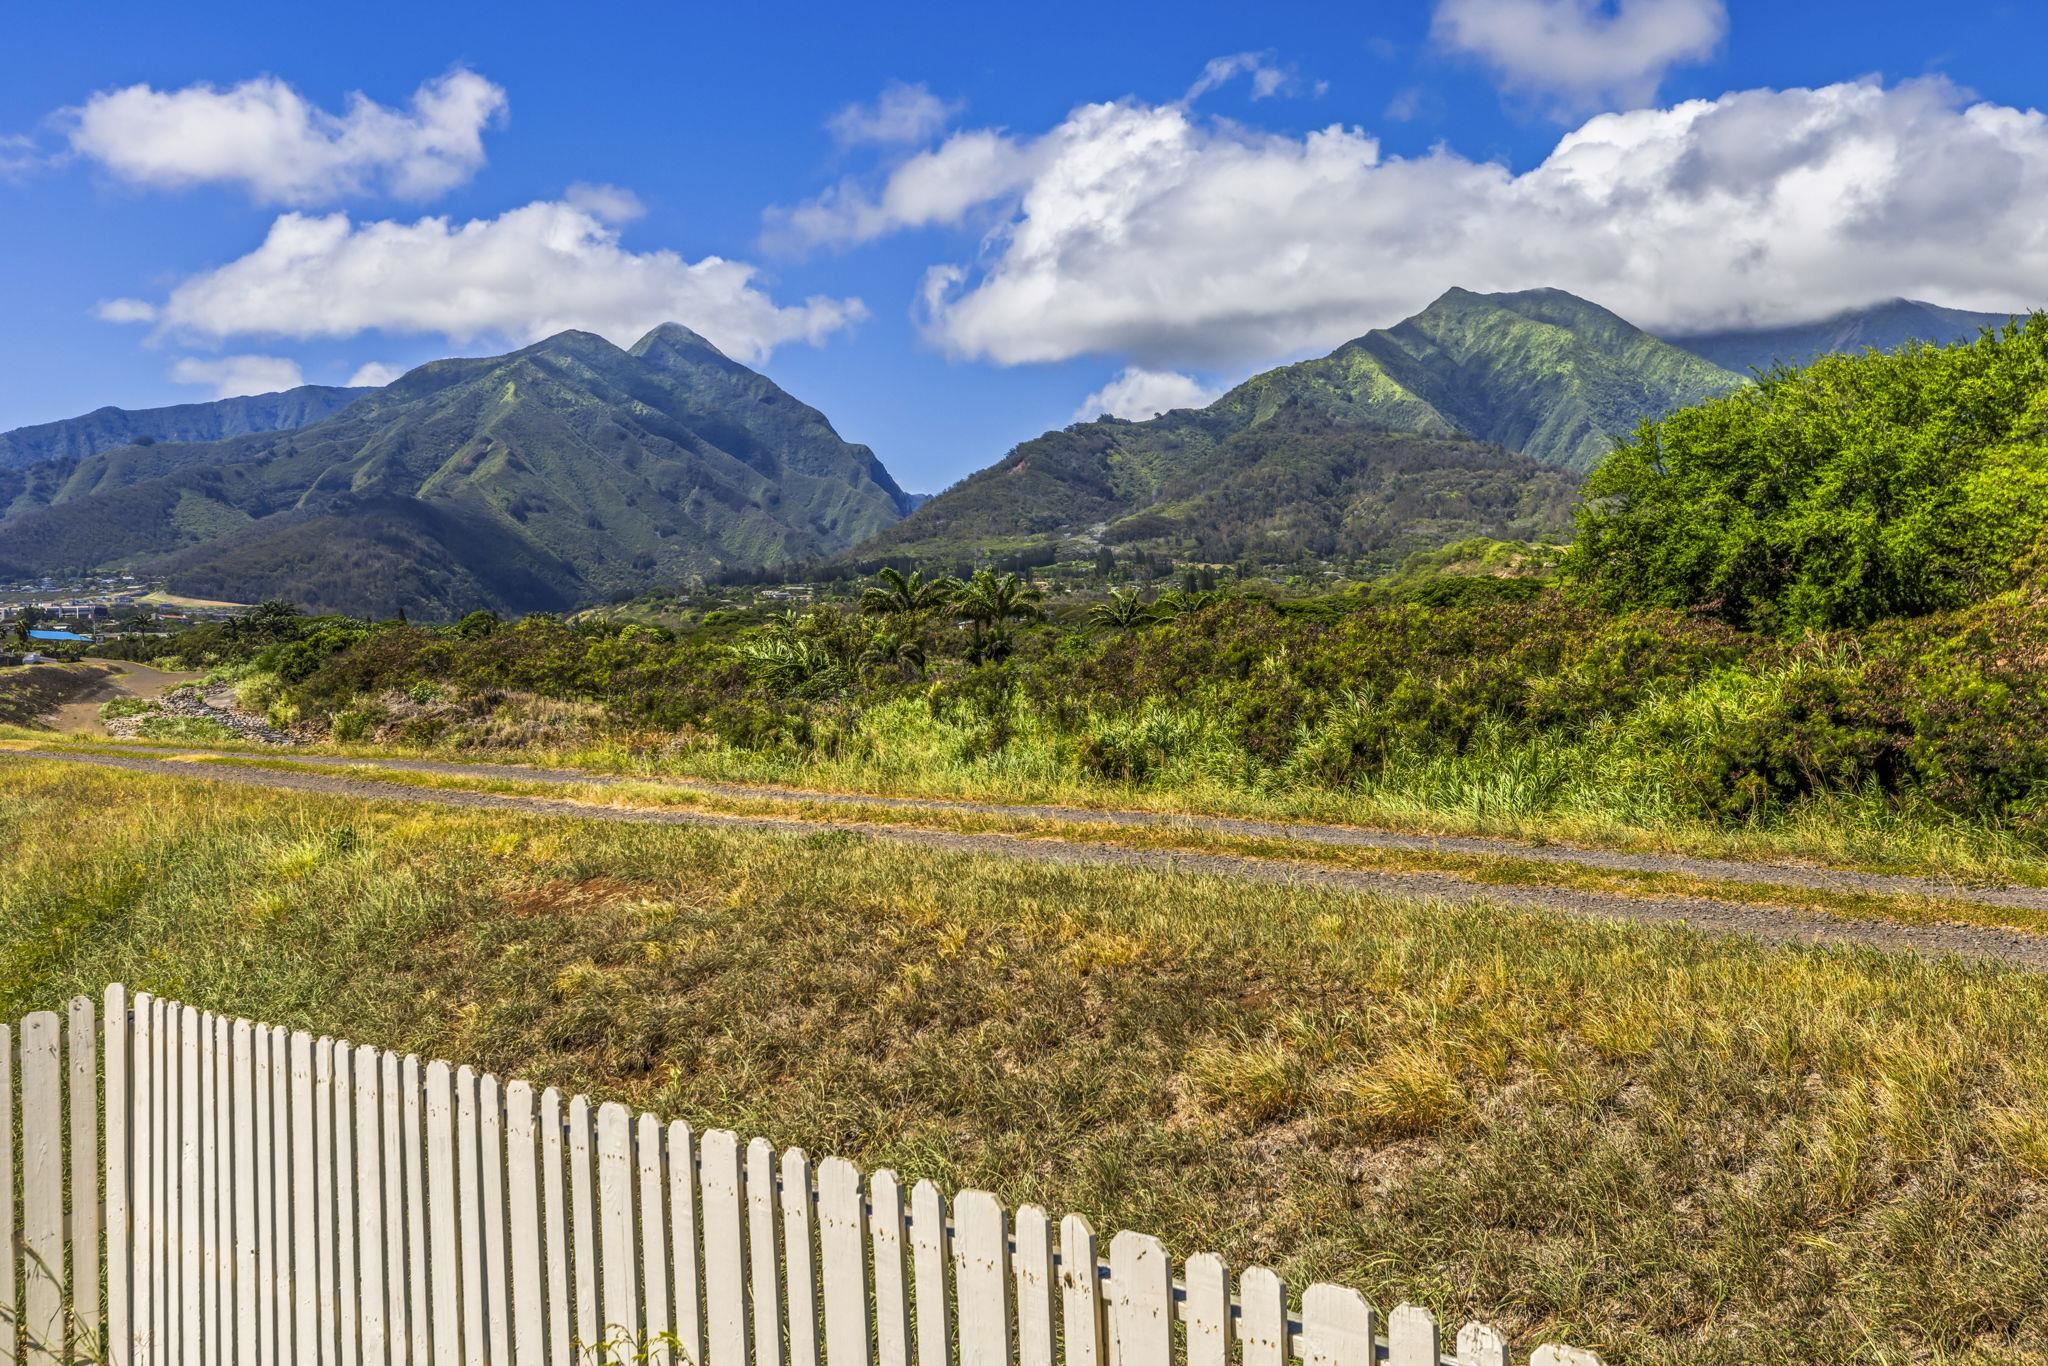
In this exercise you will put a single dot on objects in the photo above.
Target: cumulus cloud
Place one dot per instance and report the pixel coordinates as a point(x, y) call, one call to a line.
point(1139, 394)
point(1582, 52)
point(900, 114)
point(1143, 232)
point(233, 376)
point(267, 138)
point(609, 203)
point(374, 374)
point(524, 275)
point(939, 187)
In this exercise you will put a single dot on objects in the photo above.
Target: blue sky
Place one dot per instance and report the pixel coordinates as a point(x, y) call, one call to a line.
point(951, 227)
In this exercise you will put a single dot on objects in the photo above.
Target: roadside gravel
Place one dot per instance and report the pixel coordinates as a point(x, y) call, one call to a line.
point(1768, 923)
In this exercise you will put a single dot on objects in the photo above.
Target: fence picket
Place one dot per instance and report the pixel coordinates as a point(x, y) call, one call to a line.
point(1208, 1311)
point(305, 1259)
point(797, 1258)
point(346, 1199)
point(161, 1305)
point(723, 1213)
point(42, 1191)
point(583, 1224)
point(654, 1281)
point(10, 1303)
point(1412, 1337)
point(397, 1208)
point(892, 1269)
point(843, 1256)
point(1481, 1344)
point(491, 1167)
point(210, 1187)
point(418, 1277)
point(763, 1270)
point(1262, 1322)
point(522, 1208)
point(1082, 1322)
point(620, 1293)
point(981, 1279)
point(180, 1145)
point(220, 1288)
point(264, 1193)
point(83, 1053)
point(469, 1211)
point(368, 1104)
point(443, 1253)
point(118, 1099)
point(555, 1214)
point(1032, 1266)
point(682, 1204)
point(141, 1085)
point(928, 1255)
point(1141, 1300)
point(1337, 1327)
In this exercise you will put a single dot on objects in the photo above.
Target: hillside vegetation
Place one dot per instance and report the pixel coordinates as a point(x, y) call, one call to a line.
point(107, 428)
point(1471, 418)
point(562, 474)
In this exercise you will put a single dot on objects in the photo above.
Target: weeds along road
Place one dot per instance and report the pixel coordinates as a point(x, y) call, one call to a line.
point(353, 778)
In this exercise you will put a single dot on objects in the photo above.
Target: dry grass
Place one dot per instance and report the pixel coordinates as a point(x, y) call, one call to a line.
point(1672, 1148)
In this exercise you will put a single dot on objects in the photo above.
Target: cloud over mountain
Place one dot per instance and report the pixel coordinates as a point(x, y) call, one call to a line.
point(528, 273)
point(1176, 242)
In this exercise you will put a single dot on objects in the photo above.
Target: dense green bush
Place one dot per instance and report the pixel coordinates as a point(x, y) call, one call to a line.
point(1857, 489)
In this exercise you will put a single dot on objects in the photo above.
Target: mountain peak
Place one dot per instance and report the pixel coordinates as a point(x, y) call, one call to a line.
point(676, 337)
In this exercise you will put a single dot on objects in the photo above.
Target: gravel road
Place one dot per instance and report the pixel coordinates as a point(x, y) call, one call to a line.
point(1768, 923)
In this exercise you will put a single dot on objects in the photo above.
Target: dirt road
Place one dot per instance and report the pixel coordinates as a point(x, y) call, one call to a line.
point(81, 715)
point(1775, 924)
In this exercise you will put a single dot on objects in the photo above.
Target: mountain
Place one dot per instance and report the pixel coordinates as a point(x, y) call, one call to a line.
point(560, 474)
point(75, 438)
point(1880, 327)
point(1472, 417)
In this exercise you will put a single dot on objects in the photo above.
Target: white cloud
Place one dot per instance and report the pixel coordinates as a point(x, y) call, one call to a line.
point(1140, 394)
point(1142, 232)
point(526, 274)
point(1582, 52)
point(1267, 79)
point(233, 376)
point(266, 137)
point(373, 374)
point(125, 311)
point(900, 114)
point(609, 203)
point(18, 155)
point(933, 188)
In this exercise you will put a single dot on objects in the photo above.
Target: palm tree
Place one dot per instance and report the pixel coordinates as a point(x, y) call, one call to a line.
point(894, 591)
point(1123, 612)
point(1181, 601)
point(991, 600)
point(893, 650)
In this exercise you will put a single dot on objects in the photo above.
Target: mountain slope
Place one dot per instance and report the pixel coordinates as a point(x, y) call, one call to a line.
point(1880, 327)
point(1489, 403)
point(103, 429)
point(562, 473)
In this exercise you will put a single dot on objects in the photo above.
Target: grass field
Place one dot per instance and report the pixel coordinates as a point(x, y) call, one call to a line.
point(1667, 1147)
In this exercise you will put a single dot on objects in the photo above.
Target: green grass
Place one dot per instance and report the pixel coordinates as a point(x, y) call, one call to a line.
point(1668, 1147)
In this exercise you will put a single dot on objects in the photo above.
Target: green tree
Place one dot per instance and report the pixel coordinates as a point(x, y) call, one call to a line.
point(895, 592)
point(1856, 489)
point(893, 652)
point(992, 600)
point(1124, 611)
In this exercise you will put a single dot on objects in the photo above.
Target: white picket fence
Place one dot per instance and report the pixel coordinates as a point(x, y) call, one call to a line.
point(200, 1189)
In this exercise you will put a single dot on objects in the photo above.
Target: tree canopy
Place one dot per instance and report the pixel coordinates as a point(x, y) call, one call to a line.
point(1856, 489)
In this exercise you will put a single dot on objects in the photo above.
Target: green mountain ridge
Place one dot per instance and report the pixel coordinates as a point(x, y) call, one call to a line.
point(104, 429)
point(562, 473)
point(1885, 326)
point(1490, 405)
